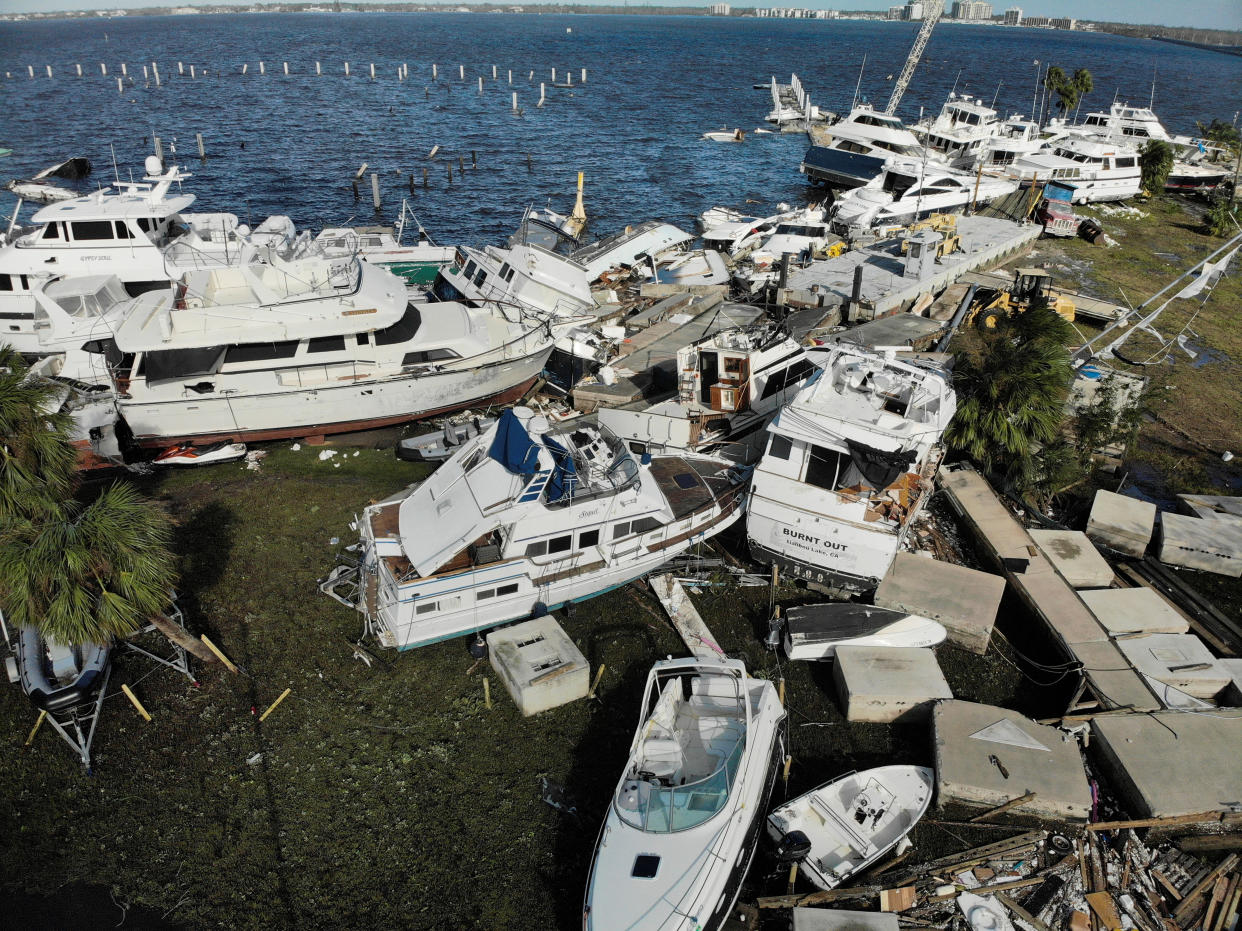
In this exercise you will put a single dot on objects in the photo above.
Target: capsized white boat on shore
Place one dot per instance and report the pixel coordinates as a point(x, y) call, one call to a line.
point(683, 824)
point(816, 631)
point(527, 517)
point(852, 821)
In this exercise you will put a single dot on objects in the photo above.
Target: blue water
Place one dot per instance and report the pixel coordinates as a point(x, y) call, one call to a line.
point(655, 84)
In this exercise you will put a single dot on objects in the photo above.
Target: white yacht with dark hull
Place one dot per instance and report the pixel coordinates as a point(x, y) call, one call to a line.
point(860, 143)
point(685, 818)
point(138, 232)
point(527, 518)
point(261, 352)
point(848, 467)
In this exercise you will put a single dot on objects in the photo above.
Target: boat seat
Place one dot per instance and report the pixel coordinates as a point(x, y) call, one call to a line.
point(861, 844)
point(662, 757)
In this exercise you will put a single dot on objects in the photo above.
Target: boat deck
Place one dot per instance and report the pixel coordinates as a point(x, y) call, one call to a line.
point(689, 485)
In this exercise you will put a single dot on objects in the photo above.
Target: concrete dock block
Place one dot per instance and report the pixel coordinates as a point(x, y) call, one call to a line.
point(1075, 557)
point(1213, 545)
point(964, 600)
point(1232, 696)
point(1120, 522)
point(538, 664)
point(1212, 506)
point(885, 684)
point(1170, 763)
point(1134, 611)
point(836, 919)
point(986, 756)
point(1180, 660)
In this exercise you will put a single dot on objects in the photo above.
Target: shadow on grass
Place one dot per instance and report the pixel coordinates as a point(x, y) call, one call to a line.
point(204, 541)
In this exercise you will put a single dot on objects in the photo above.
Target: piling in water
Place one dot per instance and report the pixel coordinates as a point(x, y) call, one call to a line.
point(434, 72)
point(79, 67)
point(180, 67)
point(474, 159)
point(318, 69)
point(493, 72)
point(286, 64)
point(124, 70)
point(372, 71)
point(461, 72)
point(425, 173)
point(515, 101)
point(191, 72)
point(375, 195)
point(262, 68)
point(202, 153)
point(480, 84)
point(120, 87)
point(584, 75)
point(103, 69)
point(346, 69)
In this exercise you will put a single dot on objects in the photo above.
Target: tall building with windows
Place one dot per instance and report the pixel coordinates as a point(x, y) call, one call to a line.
point(971, 9)
point(1013, 16)
point(718, 9)
point(914, 10)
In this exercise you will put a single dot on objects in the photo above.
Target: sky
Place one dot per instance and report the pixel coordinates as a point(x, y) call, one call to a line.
point(1200, 14)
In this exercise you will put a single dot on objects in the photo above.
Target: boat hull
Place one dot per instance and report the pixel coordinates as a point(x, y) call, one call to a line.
point(837, 169)
point(815, 632)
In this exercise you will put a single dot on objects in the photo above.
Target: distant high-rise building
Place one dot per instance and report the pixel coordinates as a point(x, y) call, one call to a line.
point(1064, 22)
point(718, 9)
point(914, 9)
point(971, 9)
point(896, 12)
point(1013, 16)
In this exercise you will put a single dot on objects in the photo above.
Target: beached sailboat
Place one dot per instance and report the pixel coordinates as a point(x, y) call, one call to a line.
point(848, 466)
point(852, 821)
point(683, 824)
point(254, 352)
point(527, 517)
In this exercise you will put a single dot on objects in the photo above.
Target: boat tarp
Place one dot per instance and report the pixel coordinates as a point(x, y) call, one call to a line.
point(179, 364)
point(564, 474)
point(512, 446)
point(878, 467)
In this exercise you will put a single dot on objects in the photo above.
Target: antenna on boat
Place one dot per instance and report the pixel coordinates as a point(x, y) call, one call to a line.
point(1152, 102)
point(116, 173)
point(999, 85)
point(953, 89)
point(858, 86)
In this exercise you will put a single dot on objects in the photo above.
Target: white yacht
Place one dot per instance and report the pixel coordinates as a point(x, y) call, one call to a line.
point(683, 824)
point(859, 145)
point(648, 241)
point(138, 232)
point(418, 264)
point(253, 352)
point(729, 384)
point(74, 322)
point(907, 191)
point(1017, 136)
point(849, 464)
point(961, 131)
point(527, 518)
point(1099, 171)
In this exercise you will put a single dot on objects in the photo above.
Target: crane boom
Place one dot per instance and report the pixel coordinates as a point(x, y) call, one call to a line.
point(932, 11)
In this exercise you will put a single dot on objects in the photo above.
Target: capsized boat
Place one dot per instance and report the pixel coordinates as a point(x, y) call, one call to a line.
point(527, 517)
point(815, 631)
point(683, 824)
point(725, 135)
point(853, 820)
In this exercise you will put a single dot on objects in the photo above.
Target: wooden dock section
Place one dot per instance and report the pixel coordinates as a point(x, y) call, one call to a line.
point(1047, 595)
point(685, 617)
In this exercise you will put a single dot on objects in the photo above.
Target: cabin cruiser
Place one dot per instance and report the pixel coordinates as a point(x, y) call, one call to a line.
point(907, 191)
point(631, 246)
point(317, 346)
point(960, 133)
point(139, 232)
point(417, 264)
point(527, 518)
point(729, 384)
point(1015, 137)
point(849, 465)
point(683, 824)
point(1099, 171)
point(859, 145)
point(800, 238)
point(737, 237)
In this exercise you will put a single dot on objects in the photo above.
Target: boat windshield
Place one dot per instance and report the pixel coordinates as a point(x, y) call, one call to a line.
point(601, 462)
point(659, 809)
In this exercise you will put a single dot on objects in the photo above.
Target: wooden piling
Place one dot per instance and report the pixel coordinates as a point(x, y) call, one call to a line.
point(245, 68)
point(411, 182)
point(79, 67)
point(474, 158)
point(318, 68)
point(346, 69)
point(480, 84)
point(124, 70)
point(487, 692)
point(375, 192)
point(201, 152)
point(510, 75)
point(449, 166)
point(272, 707)
point(34, 730)
point(529, 164)
point(553, 75)
point(434, 72)
point(515, 101)
point(461, 72)
point(262, 68)
point(228, 663)
point(595, 685)
point(133, 700)
point(181, 67)
point(461, 164)
point(434, 150)
point(191, 72)
point(543, 90)
point(493, 72)
point(357, 196)
point(531, 76)
point(155, 72)
point(584, 75)
point(103, 69)
point(425, 173)
point(372, 71)
point(145, 75)
point(286, 64)
point(120, 87)
point(30, 69)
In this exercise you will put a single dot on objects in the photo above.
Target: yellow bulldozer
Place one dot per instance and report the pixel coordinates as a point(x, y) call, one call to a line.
point(1032, 287)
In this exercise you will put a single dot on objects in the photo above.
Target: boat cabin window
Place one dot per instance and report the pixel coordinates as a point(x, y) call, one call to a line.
point(486, 593)
point(122, 231)
point(429, 355)
point(506, 272)
point(469, 270)
point(325, 344)
point(443, 290)
point(561, 544)
point(402, 331)
point(425, 607)
point(84, 230)
point(51, 231)
point(261, 352)
point(1128, 162)
point(11, 282)
point(364, 339)
point(849, 145)
point(790, 375)
point(826, 467)
point(538, 548)
point(779, 446)
point(620, 530)
point(588, 538)
point(897, 184)
point(479, 277)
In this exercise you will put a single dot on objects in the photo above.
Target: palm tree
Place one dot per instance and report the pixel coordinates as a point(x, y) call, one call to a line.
point(37, 460)
point(1010, 384)
point(1069, 90)
point(1156, 161)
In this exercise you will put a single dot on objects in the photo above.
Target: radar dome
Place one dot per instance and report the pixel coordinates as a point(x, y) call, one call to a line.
point(153, 165)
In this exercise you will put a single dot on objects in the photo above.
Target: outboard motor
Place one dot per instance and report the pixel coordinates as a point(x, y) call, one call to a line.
point(776, 630)
point(793, 847)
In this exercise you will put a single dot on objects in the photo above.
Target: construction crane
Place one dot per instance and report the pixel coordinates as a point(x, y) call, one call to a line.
point(932, 11)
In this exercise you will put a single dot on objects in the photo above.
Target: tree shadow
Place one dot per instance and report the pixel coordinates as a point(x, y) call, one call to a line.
point(203, 540)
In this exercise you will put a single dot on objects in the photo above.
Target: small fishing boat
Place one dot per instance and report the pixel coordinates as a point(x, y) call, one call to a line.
point(56, 677)
point(725, 135)
point(437, 446)
point(684, 821)
point(852, 821)
point(815, 631)
point(186, 454)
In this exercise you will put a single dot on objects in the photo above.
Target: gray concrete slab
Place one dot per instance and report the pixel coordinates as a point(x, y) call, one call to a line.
point(894, 330)
point(1134, 611)
point(1170, 763)
point(964, 600)
point(839, 919)
point(1232, 696)
point(886, 684)
point(1123, 523)
point(1112, 678)
point(1180, 660)
point(1213, 545)
point(1210, 506)
point(973, 742)
point(1073, 555)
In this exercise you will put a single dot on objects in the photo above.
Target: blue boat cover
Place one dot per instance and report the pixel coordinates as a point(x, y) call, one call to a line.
point(513, 448)
point(564, 474)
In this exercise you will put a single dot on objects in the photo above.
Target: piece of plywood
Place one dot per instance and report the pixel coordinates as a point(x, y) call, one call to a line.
point(1105, 909)
point(897, 900)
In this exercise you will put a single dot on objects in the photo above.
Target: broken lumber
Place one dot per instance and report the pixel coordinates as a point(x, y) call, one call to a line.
point(1021, 913)
point(1001, 809)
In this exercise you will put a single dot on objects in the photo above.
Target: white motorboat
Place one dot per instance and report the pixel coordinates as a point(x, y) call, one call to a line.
point(715, 216)
point(961, 132)
point(74, 321)
point(859, 145)
point(738, 237)
point(799, 237)
point(40, 189)
point(418, 264)
point(138, 232)
point(848, 466)
point(528, 518)
point(260, 352)
point(729, 385)
point(440, 444)
point(813, 632)
point(907, 191)
point(631, 246)
point(725, 135)
point(683, 824)
point(697, 268)
point(1099, 171)
point(852, 821)
point(1015, 137)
